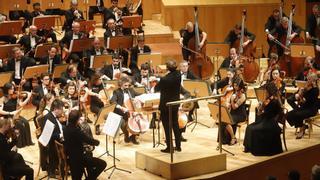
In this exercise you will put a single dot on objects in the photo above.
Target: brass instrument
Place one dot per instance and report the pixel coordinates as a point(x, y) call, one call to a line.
point(77, 14)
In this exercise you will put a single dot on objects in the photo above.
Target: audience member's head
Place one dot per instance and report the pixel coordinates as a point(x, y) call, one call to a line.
point(293, 175)
point(315, 172)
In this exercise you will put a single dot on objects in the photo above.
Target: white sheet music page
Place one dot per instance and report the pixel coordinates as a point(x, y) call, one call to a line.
point(46, 133)
point(112, 124)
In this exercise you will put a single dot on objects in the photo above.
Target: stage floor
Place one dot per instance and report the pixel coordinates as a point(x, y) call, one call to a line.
point(201, 137)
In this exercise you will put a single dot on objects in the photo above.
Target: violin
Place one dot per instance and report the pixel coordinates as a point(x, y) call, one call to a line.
point(263, 104)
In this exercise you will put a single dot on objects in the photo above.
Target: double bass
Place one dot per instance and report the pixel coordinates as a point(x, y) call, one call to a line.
point(200, 63)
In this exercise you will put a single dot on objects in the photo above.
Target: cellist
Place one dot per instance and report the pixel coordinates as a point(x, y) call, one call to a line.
point(188, 33)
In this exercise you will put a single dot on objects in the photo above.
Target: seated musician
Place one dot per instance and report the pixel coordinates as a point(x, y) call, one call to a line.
point(52, 59)
point(112, 71)
point(42, 32)
point(99, 9)
point(140, 48)
point(78, 158)
point(187, 34)
point(96, 49)
point(30, 41)
point(235, 35)
point(232, 60)
point(313, 22)
point(272, 63)
point(113, 30)
point(272, 23)
point(55, 113)
point(13, 164)
point(41, 90)
point(117, 13)
point(141, 77)
point(18, 63)
point(262, 138)
point(120, 97)
point(8, 38)
point(9, 104)
point(71, 96)
point(73, 14)
point(281, 32)
point(71, 74)
point(275, 78)
point(224, 83)
point(305, 104)
point(236, 106)
point(308, 68)
point(66, 41)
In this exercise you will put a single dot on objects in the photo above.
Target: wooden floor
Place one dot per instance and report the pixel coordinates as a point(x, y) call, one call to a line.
point(202, 139)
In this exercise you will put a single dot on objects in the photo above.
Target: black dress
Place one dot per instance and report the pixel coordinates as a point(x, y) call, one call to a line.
point(262, 138)
point(22, 124)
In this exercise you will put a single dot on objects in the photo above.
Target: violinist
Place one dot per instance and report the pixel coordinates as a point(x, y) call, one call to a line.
point(11, 104)
point(272, 63)
point(224, 83)
point(41, 90)
point(78, 157)
point(8, 38)
point(236, 106)
point(71, 96)
point(42, 32)
point(281, 32)
point(66, 41)
point(30, 41)
point(120, 96)
point(305, 104)
point(140, 48)
point(52, 59)
point(313, 24)
point(235, 34)
point(262, 138)
point(13, 164)
point(188, 33)
point(112, 71)
point(232, 60)
point(73, 14)
point(71, 74)
point(308, 68)
point(279, 82)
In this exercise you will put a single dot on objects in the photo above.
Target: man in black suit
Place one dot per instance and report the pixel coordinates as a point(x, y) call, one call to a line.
point(232, 60)
point(169, 87)
point(74, 138)
point(112, 71)
point(313, 22)
point(71, 74)
point(119, 96)
point(30, 41)
point(66, 41)
point(235, 35)
point(138, 49)
point(42, 32)
point(99, 8)
point(18, 64)
point(53, 116)
point(41, 90)
point(52, 59)
point(71, 15)
point(12, 163)
point(95, 50)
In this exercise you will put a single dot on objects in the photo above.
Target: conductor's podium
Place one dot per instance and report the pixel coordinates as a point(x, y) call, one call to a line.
point(187, 163)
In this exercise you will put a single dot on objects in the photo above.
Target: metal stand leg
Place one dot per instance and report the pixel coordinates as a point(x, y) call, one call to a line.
point(196, 122)
point(107, 151)
point(158, 143)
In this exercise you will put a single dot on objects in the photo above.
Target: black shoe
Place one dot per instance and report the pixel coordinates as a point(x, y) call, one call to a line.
point(152, 124)
point(177, 149)
point(126, 138)
point(183, 139)
point(166, 150)
point(134, 140)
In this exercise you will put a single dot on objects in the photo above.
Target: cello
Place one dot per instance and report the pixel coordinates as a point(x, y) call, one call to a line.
point(251, 68)
point(200, 63)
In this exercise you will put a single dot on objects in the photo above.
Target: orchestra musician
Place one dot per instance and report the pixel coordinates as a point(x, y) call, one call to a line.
point(142, 77)
point(235, 34)
point(281, 32)
point(74, 138)
point(117, 11)
point(169, 87)
point(305, 104)
point(73, 14)
point(30, 41)
point(42, 32)
point(100, 9)
point(225, 82)
point(187, 34)
point(275, 77)
point(308, 68)
point(262, 138)
point(140, 48)
point(266, 73)
point(71, 74)
point(41, 90)
point(236, 106)
point(56, 112)
point(112, 71)
point(8, 38)
point(120, 96)
point(52, 59)
point(232, 60)
point(66, 41)
point(13, 164)
point(313, 23)
point(11, 103)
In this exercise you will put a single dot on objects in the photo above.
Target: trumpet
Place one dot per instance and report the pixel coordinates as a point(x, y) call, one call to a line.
point(77, 14)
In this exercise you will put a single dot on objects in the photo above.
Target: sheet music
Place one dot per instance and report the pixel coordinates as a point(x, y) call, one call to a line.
point(108, 42)
point(112, 124)
point(91, 61)
point(46, 133)
point(148, 97)
point(71, 45)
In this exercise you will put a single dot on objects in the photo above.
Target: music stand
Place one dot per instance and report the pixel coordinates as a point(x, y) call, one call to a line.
point(302, 50)
point(222, 114)
point(35, 71)
point(154, 59)
point(213, 47)
point(79, 45)
point(112, 82)
point(118, 42)
point(102, 60)
point(58, 70)
point(132, 22)
point(10, 28)
point(42, 49)
point(5, 77)
point(111, 128)
point(301, 84)
point(6, 50)
point(87, 26)
point(44, 22)
point(197, 88)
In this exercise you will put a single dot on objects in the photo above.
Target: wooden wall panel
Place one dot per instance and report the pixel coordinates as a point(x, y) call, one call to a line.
point(151, 7)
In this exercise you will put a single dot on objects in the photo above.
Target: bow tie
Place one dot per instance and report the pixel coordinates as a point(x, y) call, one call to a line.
point(116, 67)
point(184, 74)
